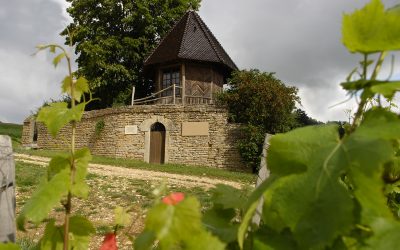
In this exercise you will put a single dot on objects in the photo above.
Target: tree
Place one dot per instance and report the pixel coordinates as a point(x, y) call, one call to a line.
point(302, 119)
point(112, 39)
point(264, 104)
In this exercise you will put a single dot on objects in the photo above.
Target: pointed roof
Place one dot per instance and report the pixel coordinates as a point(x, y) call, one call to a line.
point(190, 39)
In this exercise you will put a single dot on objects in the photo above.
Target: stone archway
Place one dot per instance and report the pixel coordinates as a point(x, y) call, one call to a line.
point(145, 126)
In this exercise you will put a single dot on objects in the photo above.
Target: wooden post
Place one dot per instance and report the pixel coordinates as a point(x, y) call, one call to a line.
point(174, 92)
point(133, 95)
point(263, 174)
point(7, 191)
point(159, 80)
point(211, 87)
point(183, 69)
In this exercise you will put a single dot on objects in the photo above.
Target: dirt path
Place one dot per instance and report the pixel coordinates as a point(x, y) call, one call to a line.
point(109, 170)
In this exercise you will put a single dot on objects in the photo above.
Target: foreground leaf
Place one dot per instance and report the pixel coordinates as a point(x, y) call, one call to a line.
point(57, 164)
point(9, 246)
point(371, 29)
point(53, 237)
point(122, 217)
point(307, 201)
point(57, 115)
point(79, 187)
point(58, 58)
point(219, 222)
point(177, 225)
point(386, 235)
point(387, 89)
point(47, 195)
point(81, 230)
point(81, 86)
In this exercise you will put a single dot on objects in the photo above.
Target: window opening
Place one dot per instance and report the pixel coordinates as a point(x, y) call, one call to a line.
point(170, 77)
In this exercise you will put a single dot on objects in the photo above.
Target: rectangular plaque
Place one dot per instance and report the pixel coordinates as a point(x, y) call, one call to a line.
point(194, 128)
point(131, 130)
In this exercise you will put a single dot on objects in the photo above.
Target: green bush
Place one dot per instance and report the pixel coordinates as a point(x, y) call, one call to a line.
point(264, 104)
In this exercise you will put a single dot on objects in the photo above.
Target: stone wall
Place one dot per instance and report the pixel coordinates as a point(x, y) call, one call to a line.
point(217, 149)
point(28, 131)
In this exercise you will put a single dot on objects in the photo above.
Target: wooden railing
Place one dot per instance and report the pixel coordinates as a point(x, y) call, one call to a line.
point(177, 97)
point(198, 100)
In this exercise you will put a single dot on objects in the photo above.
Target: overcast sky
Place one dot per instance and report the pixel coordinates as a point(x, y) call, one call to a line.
point(297, 39)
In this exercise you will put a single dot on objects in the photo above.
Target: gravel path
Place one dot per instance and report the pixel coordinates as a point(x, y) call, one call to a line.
point(109, 170)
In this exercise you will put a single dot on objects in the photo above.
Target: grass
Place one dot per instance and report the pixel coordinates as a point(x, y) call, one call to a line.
point(168, 168)
point(12, 130)
point(26, 243)
point(28, 176)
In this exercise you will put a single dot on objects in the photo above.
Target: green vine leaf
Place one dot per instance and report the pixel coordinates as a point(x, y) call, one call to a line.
point(9, 246)
point(58, 58)
point(387, 89)
point(81, 230)
point(57, 164)
point(227, 197)
point(47, 195)
point(52, 238)
point(268, 239)
point(369, 147)
point(293, 152)
point(307, 201)
point(79, 187)
point(57, 115)
point(122, 217)
point(81, 86)
point(177, 225)
point(371, 29)
point(386, 235)
point(244, 226)
point(219, 222)
point(51, 47)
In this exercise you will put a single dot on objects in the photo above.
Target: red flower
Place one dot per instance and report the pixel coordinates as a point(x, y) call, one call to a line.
point(173, 198)
point(110, 242)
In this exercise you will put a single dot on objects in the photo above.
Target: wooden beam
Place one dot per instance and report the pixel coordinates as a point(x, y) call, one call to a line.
point(133, 95)
point(183, 73)
point(212, 83)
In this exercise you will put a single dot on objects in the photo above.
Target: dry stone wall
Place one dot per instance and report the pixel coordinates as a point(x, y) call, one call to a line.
point(217, 149)
point(27, 131)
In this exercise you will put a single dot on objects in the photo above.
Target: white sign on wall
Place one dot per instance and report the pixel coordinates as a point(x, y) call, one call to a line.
point(131, 130)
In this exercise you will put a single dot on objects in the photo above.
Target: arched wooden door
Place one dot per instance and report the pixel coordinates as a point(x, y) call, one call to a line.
point(157, 143)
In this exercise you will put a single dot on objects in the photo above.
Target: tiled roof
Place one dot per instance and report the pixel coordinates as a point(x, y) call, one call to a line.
point(190, 39)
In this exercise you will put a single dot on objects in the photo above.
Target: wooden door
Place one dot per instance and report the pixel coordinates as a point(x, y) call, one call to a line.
point(157, 144)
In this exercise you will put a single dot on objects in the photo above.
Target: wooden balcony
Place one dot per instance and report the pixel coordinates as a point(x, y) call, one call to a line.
point(166, 97)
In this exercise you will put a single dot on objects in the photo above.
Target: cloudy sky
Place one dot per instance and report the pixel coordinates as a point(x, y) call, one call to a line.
point(297, 39)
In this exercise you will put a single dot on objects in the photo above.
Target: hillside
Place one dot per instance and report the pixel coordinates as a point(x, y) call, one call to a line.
point(13, 130)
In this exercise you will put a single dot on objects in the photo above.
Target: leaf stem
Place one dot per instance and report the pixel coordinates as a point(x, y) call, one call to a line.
point(68, 206)
point(364, 100)
point(378, 64)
